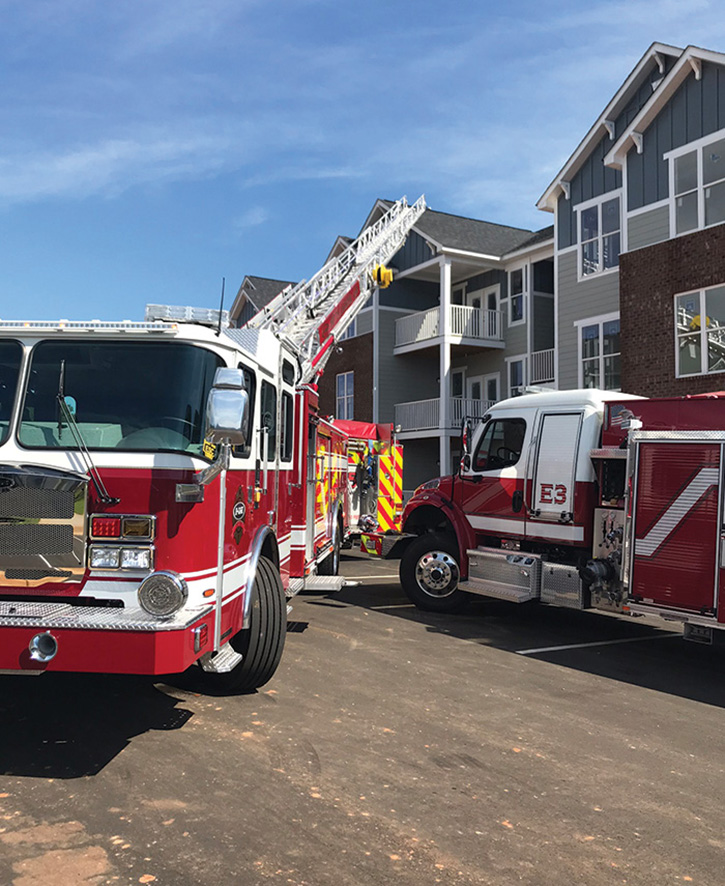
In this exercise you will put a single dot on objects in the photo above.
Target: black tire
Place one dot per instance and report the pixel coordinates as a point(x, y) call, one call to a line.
point(429, 574)
point(331, 564)
point(262, 642)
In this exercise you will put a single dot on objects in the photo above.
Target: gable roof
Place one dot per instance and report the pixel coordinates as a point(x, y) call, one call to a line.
point(604, 123)
point(689, 62)
point(458, 233)
point(258, 291)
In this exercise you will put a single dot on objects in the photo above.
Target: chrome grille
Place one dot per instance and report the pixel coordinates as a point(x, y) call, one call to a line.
point(41, 503)
point(46, 539)
point(42, 525)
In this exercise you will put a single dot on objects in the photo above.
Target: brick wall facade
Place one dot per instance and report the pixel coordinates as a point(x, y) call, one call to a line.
point(649, 279)
point(356, 356)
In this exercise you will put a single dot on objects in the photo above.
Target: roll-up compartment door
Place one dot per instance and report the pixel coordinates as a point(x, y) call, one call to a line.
point(558, 447)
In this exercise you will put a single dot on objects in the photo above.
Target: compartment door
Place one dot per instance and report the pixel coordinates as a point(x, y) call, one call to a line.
point(676, 525)
point(557, 452)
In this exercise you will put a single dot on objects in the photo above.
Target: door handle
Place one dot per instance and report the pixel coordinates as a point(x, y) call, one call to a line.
point(517, 501)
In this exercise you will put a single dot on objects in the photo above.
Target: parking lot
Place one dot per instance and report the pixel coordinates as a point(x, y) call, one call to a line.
point(503, 745)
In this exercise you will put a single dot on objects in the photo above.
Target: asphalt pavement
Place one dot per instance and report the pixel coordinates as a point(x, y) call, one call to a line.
point(504, 745)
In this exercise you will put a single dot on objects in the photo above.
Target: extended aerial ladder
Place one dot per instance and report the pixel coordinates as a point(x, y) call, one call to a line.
point(310, 316)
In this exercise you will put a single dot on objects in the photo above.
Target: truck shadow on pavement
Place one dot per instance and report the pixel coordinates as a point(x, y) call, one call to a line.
point(643, 652)
point(72, 725)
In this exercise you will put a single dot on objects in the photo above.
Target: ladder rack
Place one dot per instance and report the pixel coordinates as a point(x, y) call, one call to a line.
point(310, 316)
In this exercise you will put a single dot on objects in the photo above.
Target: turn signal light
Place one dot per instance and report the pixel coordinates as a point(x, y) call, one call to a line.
point(106, 527)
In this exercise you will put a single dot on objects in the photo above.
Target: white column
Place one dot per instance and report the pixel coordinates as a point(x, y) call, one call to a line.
point(444, 327)
point(376, 355)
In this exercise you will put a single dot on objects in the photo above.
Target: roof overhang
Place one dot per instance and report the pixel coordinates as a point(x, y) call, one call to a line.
point(690, 62)
point(604, 124)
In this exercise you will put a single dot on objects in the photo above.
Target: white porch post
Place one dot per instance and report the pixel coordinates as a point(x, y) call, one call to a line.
point(444, 326)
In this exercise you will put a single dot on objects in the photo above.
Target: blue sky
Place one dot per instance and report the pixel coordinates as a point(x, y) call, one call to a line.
point(149, 148)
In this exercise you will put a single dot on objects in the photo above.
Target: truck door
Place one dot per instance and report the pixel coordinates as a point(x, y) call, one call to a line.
point(676, 529)
point(551, 498)
point(492, 487)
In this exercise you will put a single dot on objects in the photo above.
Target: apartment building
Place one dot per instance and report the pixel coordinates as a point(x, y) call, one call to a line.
point(626, 290)
point(469, 319)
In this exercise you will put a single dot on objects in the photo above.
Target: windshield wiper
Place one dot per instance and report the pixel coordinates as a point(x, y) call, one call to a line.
point(70, 418)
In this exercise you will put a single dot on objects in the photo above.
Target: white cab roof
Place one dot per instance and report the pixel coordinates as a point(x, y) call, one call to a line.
point(576, 398)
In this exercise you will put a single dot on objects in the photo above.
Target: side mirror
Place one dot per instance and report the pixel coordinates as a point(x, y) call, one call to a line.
point(467, 462)
point(227, 408)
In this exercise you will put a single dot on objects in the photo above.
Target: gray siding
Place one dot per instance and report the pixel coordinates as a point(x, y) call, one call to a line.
point(364, 321)
point(543, 320)
point(420, 461)
point(405, 378)
point(417, 295)
point(515, 337)
point(648, 228)
point(592, 180)
point(414, 252)
point(695, 110)
point(577, 301)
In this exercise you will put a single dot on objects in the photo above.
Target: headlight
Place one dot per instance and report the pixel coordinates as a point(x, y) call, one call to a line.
point(431, 484)
point(117, 557)
point(162, 594)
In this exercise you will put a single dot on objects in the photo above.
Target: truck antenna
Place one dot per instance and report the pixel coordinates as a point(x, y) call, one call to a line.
point(221, 308)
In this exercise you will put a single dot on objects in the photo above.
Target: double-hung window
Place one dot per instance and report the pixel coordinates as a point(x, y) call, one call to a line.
point(599, 236)
point(700, 331)
point(697, 178)
point(350, 332)
point(599, 353)
point(345, 395)
point(518, 280)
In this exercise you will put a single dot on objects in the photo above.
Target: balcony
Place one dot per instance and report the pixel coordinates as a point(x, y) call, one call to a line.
point(424, 415)
point(541, 367)
point(467, 326)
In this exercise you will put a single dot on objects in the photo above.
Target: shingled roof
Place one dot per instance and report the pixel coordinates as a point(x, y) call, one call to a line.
point(261, 290)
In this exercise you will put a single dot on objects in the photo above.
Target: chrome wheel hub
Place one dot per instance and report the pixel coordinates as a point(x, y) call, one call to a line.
point(437, 573)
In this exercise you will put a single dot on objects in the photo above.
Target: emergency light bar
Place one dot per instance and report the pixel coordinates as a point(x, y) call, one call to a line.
point(86, 326)
point(187, 314)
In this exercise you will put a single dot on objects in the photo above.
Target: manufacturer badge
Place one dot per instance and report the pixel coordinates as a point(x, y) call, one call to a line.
point(239, 511)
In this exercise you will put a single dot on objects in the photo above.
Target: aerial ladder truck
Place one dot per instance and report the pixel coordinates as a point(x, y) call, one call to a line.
point(167, 485)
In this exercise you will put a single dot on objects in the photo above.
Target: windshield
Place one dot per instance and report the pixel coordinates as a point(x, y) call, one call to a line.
point(123, 395)
point(10, 356)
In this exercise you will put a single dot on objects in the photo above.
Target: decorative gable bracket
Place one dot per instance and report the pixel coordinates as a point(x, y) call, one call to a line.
point(638, 140)
point(696, 65)
point(609, 126)
point(566, 188)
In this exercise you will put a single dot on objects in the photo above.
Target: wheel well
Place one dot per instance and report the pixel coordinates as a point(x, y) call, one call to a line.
point(428, 519)
point(270, 550)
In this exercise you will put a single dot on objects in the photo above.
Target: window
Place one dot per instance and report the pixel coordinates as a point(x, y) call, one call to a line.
point(250, 384)
point(500, 445)
point(697, 177)
point(599, 354)
point(139, 396)
point(268, 418)
point(345, 395)
point(518, 279)
point(350, 332)
point(11, 355)
point(517, 376)
point(700, 331)
point(599, 237)
point(288, 424)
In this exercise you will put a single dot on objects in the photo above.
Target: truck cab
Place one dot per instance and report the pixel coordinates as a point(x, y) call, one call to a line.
point(525, 497)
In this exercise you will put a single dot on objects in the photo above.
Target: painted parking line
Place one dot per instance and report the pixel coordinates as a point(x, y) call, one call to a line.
point(662, 636)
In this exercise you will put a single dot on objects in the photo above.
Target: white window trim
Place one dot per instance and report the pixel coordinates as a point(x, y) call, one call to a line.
point(350, 330)
point(525, 267)
point(459, 370)
point(587, 204)
point(345, 397)
point(487, 378)
point(523, 358)
point(703, 334)
point(600, 320)
point(670, 157)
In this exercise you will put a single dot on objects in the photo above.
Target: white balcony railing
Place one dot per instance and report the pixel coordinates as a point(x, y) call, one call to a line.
point(542, 367)
point(424, 415)
point(477, 323)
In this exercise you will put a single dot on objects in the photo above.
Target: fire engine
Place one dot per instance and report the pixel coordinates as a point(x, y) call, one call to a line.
point(167, 485)
point(581, 499)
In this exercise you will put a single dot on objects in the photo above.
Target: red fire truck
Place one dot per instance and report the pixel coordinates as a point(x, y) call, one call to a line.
point(581, 499)
point(166, 485)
